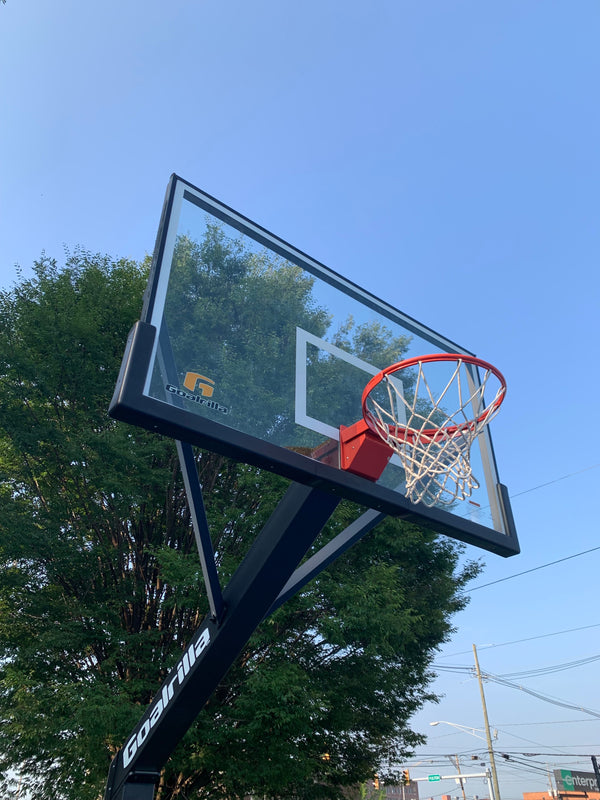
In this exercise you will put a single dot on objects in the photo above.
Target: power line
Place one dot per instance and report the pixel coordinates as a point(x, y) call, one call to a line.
point(546, 698)
point(552, 563)
point(527, 639)
point(533, 569)
point(523, 739)
point(556, 480)
point(534, 673)
point(528, 754)
point(546, 722)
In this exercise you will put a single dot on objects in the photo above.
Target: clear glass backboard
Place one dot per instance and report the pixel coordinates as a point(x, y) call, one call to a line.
point(249, 347)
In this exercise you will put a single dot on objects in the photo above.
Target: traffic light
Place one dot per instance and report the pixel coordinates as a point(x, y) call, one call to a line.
point(405, 777)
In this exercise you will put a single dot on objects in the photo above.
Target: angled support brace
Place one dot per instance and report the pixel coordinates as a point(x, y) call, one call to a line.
point(338, 545)
point(192, 487)
point(193, 491)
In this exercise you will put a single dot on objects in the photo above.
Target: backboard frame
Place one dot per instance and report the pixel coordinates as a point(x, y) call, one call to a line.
point(133, 404)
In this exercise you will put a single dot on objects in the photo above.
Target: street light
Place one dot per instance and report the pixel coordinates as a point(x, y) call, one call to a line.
point(487, 738)
point(464, 728)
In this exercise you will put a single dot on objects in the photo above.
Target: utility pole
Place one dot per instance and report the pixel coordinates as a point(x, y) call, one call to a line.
point(487, 729)
point(551, 790)
point(460, 780)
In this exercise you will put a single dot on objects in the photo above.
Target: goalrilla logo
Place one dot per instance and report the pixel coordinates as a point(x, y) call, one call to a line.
point(200, 390)
point(166, 696)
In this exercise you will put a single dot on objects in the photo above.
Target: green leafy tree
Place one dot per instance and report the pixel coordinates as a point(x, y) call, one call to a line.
point(232, 313)
point(101, 589)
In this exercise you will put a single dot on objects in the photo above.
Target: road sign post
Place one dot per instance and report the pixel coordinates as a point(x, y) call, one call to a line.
point(459, 776)
point(434, 778)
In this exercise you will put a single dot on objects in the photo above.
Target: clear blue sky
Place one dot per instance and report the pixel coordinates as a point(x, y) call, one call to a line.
point(446, 156)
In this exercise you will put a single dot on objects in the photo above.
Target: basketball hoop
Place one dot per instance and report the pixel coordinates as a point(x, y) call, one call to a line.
point(406, 406)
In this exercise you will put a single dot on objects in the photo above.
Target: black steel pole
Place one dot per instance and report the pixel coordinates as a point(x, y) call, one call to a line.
point(275, 554)
point(596, 770)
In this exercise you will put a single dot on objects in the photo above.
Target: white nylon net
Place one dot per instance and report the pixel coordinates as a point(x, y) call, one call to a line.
point(433, 444)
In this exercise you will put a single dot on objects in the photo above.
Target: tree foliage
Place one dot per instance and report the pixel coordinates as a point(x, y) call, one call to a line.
point(233, 312)
point(101, 589)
